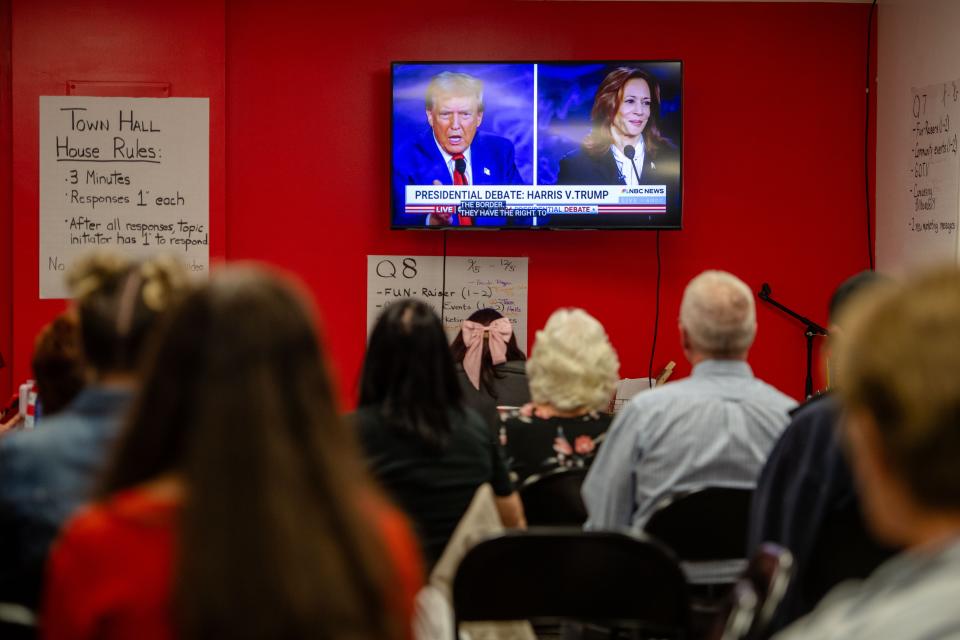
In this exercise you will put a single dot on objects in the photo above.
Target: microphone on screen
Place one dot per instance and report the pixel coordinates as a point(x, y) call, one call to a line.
point(631, 152)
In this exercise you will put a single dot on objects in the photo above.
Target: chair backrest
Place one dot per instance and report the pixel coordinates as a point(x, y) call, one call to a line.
point(704, 525)
point(756, 595)
point(553, 499)
point(572, 574)
point(17, 622)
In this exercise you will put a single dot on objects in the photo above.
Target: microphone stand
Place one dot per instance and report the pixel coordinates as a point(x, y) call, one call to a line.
point(812, 330)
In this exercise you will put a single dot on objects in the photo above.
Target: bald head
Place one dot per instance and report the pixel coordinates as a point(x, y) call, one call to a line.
point(718, 317)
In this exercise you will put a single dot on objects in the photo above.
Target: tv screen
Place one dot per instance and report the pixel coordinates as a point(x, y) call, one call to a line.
point(525, 145)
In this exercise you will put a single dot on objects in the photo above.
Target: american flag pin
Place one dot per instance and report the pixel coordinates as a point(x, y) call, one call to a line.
point(486, 171)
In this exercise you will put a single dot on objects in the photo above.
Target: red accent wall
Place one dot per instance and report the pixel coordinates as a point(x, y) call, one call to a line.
point(300, 96)
point(773, 157)
point(56, 41)
point(6, 219)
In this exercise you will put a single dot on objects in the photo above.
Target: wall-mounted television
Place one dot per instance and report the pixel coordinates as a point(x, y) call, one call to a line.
point(527, 145)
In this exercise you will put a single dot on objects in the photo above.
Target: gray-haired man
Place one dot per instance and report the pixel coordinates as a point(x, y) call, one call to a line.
point(714, 428)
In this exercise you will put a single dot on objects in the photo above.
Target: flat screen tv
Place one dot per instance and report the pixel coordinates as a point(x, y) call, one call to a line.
point(528, 145)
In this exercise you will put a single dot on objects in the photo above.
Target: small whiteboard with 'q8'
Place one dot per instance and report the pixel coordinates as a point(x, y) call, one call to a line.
point(125, 174)
point(471, 283)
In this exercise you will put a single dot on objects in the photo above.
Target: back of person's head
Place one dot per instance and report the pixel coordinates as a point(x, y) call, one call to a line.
point(488, 371)
point(719, 316)
point(900, 366)
point(849, 289)
point(57, 363)
point(118, 303)
point(573, 365)
point(237, 402)
point(409, 375)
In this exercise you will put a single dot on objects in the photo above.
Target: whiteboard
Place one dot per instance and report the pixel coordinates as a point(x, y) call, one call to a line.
point(472, 283)
point(126, 174)
point(918, 119)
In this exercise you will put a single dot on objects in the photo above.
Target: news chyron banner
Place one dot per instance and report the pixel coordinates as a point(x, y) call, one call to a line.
point(127, 174)
point(533, 201)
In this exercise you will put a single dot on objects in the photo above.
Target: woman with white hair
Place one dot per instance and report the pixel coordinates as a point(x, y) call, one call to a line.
point(573, 374)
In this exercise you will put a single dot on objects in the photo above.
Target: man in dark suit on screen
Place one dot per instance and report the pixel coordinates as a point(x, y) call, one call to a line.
point(453, 152)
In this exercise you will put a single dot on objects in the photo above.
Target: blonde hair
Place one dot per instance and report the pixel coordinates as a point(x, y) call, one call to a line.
point(899, 360)
point(719, 314)
point(89, 272)
point(118, 302)
point(455, 84)
point(573, 365)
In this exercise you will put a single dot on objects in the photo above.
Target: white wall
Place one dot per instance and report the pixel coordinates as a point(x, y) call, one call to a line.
point(918, 46)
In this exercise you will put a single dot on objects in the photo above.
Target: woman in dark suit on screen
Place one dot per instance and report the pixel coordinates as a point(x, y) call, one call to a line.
point(626, 129)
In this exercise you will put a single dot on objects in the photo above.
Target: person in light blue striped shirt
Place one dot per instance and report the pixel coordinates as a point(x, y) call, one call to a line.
point(712, 429)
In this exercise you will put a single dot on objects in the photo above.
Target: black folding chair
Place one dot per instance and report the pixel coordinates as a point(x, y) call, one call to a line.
point(707, 530)
point(705, 525)
point(620, 582)
point(553, 498)
point(756, 595)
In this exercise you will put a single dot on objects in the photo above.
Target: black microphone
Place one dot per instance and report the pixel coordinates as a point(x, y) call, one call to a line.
point(460, 166)
point(630, 152)
point(764, 291)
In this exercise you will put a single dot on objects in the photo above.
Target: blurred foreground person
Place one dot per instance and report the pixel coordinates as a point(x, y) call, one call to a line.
point(236, 504)
point(47, 472)
point(899, 380)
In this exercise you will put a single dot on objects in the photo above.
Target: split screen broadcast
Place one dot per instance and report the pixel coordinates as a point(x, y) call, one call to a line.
point(581, 145)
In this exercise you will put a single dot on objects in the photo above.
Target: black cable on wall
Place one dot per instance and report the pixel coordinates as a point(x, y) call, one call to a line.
point(656, 314)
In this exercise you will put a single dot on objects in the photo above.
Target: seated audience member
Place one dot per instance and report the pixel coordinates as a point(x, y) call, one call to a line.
point(714, 428)
point(490, 365)
point(573, 375)
point(236, 504)
point(58, 370)
point(899, 381)
point(426, 448)
point(57, 364)
point(46, 473)
point(806, 485)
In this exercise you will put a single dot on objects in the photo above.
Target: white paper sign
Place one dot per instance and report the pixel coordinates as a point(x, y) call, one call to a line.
point(930, 200)
point(130, 174)
point(472, 283)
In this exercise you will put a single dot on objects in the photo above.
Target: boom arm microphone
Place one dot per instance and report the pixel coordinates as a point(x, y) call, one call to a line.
point(631, 152)
point(812, 329)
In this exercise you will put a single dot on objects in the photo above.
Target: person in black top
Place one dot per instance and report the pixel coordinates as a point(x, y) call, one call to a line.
point(806, 499)
point(573, 374)
point(429, 451)
point(491, 367)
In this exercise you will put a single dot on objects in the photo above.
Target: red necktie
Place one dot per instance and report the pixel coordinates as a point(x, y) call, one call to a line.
point(460, 177)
